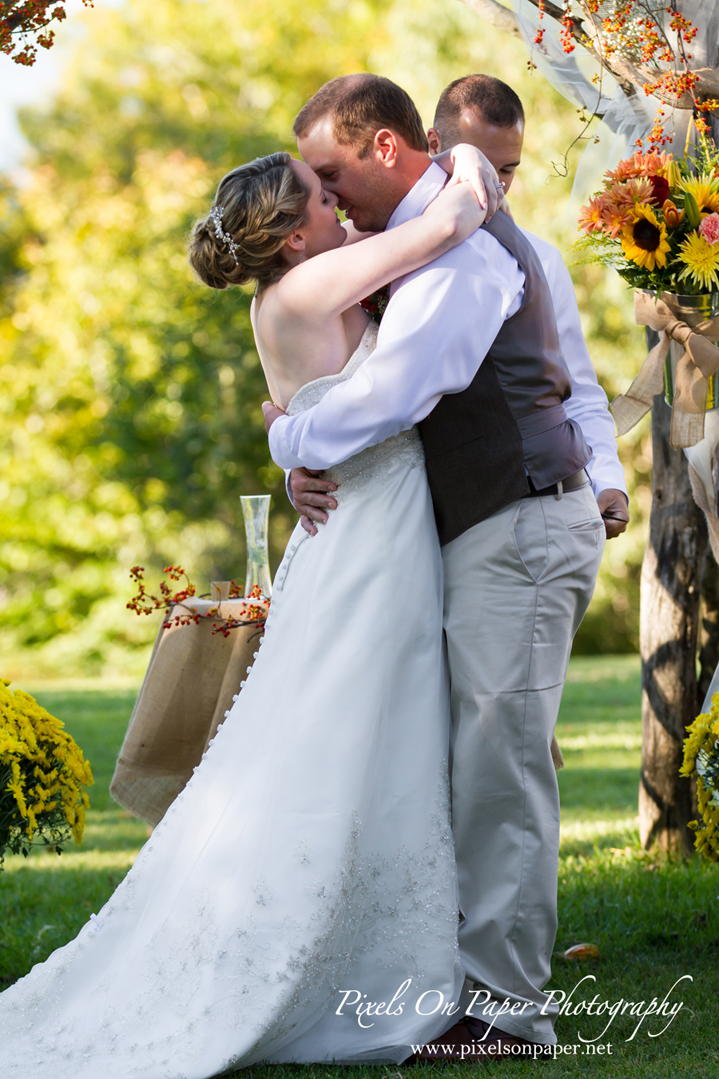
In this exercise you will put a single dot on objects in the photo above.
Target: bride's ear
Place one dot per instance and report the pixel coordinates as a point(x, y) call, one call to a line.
point(296, 243)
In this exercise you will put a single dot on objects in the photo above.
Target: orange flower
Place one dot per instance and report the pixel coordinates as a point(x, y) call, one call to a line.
point(653, 163)
point(615, 218)
point(625, 170)
point(633, 191)
point(591, 217)
point(673, 216)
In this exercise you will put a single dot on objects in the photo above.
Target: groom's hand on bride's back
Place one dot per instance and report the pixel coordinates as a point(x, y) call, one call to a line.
point(311, 497)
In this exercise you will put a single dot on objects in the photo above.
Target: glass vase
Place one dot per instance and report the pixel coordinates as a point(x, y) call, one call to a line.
point(692, 310)
point(256, 511)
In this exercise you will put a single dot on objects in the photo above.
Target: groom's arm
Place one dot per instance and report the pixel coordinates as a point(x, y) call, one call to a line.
point(438, 327)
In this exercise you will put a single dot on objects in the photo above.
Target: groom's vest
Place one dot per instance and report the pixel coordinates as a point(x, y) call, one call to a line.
point(510, 422)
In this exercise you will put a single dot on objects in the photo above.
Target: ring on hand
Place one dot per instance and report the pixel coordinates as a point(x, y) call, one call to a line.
point(499, 185)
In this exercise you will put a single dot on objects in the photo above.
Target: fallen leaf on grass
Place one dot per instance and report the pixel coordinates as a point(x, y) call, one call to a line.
point(582, 951)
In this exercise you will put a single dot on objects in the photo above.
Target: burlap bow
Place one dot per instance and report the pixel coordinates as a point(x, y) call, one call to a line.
point(700, 360)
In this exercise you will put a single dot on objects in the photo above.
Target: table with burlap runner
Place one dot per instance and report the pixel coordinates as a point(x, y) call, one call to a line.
point(191, 681)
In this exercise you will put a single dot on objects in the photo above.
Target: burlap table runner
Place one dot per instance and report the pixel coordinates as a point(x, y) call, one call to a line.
point(190, 683)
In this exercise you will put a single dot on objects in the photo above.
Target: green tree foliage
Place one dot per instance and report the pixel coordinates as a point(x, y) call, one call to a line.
point(130, 394)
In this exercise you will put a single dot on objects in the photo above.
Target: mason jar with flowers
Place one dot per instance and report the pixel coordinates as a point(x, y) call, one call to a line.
point(656, 222)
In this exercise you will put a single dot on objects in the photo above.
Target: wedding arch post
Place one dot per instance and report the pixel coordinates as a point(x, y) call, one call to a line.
point(671, 588)
point(680, 579)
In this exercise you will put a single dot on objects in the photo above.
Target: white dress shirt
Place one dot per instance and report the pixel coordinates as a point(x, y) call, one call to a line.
point(438, 327)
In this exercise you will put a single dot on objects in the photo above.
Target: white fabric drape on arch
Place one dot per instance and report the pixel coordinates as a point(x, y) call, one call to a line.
point(625, 119)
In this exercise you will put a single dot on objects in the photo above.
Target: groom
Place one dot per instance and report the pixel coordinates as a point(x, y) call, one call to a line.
point(468, 349)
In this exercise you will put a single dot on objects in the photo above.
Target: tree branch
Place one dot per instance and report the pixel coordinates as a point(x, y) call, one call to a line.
point(630, 76)
point(496, 14)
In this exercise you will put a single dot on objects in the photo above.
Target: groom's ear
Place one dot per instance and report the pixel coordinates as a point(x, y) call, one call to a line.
point(435, 142)
point(385, 147)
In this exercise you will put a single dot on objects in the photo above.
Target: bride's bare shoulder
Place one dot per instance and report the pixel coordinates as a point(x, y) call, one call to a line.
point(269, 310)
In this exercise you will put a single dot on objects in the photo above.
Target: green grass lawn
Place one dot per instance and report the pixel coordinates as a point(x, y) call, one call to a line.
point(654, 920)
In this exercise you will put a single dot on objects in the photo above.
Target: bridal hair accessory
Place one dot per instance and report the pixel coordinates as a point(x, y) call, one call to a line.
point(224, 237)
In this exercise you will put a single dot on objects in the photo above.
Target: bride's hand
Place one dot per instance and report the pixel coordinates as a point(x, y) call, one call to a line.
point(466, 163)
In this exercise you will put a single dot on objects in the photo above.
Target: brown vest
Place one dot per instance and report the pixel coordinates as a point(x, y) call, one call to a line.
point(510, 422)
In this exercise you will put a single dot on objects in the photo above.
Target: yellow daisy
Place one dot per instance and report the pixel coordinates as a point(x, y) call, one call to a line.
point(644, 239)
point(705, 190)
point(701, 262)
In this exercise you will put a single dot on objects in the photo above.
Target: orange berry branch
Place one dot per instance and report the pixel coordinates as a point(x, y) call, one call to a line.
point(25, 25)
point(635, 40)
point(252, 613)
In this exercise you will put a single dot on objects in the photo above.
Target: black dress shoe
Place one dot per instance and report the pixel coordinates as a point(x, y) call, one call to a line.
point(471, 1040)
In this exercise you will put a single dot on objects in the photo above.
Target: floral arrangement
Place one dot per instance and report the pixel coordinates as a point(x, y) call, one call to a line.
point(42, 773)
point(701, 759)
point(253, 612)
point(656, 221)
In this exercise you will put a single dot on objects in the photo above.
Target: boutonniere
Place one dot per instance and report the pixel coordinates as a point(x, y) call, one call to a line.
point(376, 304)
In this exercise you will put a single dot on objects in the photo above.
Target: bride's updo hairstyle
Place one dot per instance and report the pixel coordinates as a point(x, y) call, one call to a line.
point(256, 208)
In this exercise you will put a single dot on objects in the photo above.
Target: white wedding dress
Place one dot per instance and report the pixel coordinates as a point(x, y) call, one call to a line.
point(309, 860)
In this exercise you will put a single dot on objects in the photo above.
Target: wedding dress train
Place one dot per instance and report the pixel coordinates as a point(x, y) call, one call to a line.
point(306, 871)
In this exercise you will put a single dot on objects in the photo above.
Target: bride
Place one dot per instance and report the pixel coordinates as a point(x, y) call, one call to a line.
point(298, 900)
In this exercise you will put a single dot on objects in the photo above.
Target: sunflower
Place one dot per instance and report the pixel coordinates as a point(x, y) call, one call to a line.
point(705, 190)
point(701, 262)
point(644, 239)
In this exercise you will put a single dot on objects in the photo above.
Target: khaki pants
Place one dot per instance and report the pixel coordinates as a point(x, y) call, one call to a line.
point(516, 588)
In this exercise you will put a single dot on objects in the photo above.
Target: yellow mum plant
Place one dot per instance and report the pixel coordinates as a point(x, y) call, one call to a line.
point(701, 759)
point(42, 773)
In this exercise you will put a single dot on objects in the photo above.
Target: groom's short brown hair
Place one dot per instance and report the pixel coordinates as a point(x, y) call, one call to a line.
point(360, 106)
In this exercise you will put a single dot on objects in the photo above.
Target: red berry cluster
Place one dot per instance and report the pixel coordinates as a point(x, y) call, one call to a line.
point(143, 602)
point(631, 31)
point(253, 614)
point(24, 26)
